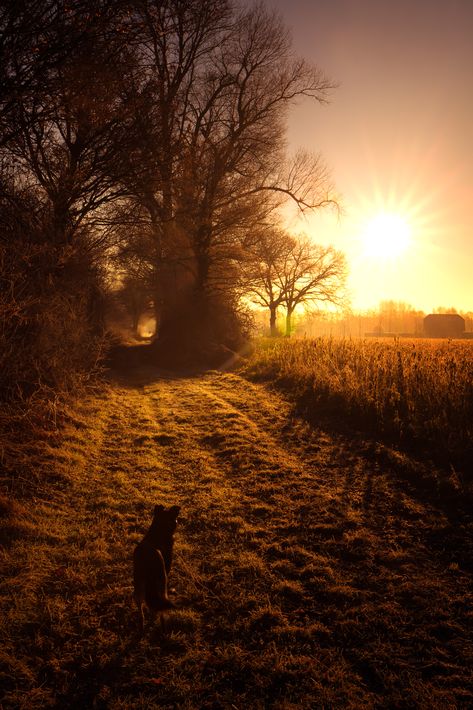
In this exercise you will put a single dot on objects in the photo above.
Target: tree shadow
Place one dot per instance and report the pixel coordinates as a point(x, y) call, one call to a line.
point(138, 365)
point(144, 363)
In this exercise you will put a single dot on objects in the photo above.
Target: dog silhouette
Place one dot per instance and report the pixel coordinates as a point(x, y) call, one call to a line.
point(152, 560)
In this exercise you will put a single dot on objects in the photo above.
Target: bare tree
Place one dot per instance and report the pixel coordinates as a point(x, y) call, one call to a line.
point(287, 271)
point(215, 89)
point(168, 113)
point(262, 271)
point(66, 136)
point(61, 120)
point(312, 274)
point(64, 127)
point(235, 143)
point(30, 47)
point(173, 38)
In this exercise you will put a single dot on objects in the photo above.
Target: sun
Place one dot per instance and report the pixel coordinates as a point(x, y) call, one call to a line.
point(386, 236)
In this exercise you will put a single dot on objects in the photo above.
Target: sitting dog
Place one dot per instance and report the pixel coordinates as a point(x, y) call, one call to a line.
point(152, 559)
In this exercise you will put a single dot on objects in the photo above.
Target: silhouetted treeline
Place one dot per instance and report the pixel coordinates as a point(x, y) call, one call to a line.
point(141, 143)
point(389, 318)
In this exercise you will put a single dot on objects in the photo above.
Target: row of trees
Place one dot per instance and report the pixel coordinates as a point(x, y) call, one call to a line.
point(388, 318)
point(143, 140)
point(291, 272)
point(276, 270)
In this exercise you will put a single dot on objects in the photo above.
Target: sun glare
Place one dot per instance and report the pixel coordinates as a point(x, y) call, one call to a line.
point(386, 236)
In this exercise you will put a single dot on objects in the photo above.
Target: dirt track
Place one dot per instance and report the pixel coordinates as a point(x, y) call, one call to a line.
point(306, 575)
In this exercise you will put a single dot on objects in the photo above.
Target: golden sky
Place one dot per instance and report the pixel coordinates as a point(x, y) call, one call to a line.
point(398, 139)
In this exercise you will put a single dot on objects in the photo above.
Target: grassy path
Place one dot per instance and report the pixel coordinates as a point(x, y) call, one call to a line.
point(306, 575)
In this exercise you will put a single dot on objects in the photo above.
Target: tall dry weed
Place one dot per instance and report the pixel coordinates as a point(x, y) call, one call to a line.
point(416, 392)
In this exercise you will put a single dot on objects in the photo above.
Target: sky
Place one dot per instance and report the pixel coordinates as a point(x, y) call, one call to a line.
point(397, 137)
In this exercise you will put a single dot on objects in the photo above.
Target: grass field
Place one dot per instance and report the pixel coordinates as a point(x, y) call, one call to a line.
point(415, 393)
point(308, 573)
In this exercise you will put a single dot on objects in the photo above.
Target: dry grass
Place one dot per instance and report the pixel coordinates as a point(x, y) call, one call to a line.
point(416, 393)
point(306, 574)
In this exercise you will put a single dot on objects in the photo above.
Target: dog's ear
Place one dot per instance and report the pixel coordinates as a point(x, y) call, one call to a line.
point(158, 509)
point(175, 510)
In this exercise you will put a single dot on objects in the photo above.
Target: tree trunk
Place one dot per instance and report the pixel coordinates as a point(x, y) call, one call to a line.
point(135, 319)
point(199, 295)
point(202, 252)
point(272, 321)
point(288, 323)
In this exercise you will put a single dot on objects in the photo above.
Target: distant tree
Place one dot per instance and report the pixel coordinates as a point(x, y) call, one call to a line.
point(312, 275)
point(262, 271)
point(444, 310)
point(136, 298)
point(399, 317)
point(289, 271)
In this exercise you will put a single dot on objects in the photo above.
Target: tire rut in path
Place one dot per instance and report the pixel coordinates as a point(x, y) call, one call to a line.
point(339, 549)
point(303, 570)
point(222, 448)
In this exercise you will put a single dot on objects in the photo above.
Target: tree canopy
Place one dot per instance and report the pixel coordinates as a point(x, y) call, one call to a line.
point(148, 138)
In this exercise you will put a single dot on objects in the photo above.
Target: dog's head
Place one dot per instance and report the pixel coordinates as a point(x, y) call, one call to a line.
point(166, 518)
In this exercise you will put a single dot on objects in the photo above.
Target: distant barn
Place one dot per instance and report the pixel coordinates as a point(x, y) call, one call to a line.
point(444, 325)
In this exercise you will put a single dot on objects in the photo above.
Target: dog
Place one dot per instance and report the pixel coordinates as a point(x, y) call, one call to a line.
point(152, 560)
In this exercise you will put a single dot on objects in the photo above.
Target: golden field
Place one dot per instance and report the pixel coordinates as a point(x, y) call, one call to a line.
point(310, 569)
point(417, 392)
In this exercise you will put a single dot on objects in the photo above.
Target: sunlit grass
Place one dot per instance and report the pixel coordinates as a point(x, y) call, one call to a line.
point(305, 573)
point(417, 392)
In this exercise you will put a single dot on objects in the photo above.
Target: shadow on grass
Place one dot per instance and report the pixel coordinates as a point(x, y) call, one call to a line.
point(435, 473)
point(144, 363)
